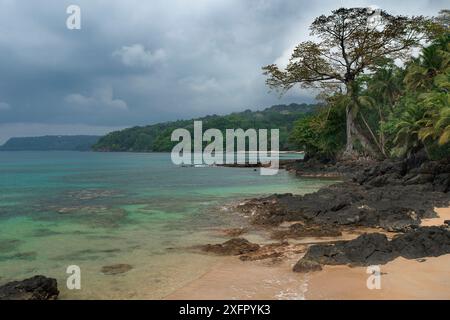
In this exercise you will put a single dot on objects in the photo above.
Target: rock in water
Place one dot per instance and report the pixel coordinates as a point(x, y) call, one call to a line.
point(233, 247)
point(116, 269)
point(305, 265)
point(35, 288)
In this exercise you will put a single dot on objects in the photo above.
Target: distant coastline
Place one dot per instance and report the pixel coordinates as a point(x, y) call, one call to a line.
point(51, 143)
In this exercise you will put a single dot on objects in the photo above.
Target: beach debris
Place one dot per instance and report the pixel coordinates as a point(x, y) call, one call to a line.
point(116, 269)
point(35, 288)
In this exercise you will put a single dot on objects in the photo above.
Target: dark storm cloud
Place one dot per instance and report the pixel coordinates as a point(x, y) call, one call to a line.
point(136, 62)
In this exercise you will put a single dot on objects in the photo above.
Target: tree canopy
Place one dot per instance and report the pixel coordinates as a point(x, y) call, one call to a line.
point(350, 42)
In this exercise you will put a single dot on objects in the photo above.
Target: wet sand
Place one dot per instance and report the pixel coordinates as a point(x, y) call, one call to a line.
point(443, 213)
point(401, 278)
point(233, 279)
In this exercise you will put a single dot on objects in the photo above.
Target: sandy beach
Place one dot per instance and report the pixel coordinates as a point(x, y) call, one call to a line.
point(427, 278)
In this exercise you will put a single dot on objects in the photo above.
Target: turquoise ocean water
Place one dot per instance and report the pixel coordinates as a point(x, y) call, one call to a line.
point(95, 209)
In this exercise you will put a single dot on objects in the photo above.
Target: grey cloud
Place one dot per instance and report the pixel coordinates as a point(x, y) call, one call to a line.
point(137, 56)
point(101, 98)
point(4, 106)
point(154, 60)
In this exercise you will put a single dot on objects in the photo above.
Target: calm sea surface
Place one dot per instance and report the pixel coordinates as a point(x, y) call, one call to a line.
point(97, 209)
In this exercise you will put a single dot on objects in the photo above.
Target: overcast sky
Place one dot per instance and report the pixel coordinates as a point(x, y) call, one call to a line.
point(139, 62)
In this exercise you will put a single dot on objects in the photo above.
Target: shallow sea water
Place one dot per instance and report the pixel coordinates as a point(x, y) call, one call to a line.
point(97, 209)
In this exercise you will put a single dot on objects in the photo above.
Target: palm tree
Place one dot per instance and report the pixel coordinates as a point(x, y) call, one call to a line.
point(436, 120)
point(443, 126)
point(433, 60)
point(408, 126)
point(383, 88)
point(386, 85)
point(426, 119)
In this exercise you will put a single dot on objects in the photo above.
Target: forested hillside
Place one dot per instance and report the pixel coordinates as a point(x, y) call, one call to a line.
point(157, 137)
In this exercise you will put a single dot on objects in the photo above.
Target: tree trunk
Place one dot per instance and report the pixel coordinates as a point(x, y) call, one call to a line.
point(349, 148)
point(353, 134)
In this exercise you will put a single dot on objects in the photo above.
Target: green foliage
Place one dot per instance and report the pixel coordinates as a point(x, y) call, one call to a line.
point(421, 117)
point(347, 46)
point(402, 109)
point(321, 134)
point(406, 126)
point(157, 137)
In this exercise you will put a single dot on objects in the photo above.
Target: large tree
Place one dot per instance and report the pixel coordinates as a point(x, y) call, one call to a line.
point(347, 43)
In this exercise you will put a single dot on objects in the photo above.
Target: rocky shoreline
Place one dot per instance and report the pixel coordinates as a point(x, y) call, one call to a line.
point(391, 196)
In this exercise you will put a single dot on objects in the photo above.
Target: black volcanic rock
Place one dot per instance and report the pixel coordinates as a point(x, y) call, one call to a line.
point(35, 288)
point(325, 167)
point(391, 195)
point(435, 175)
point(305, 265)
point(299, 230)
point(375, 248)
point(233, 247)
point(423, 242)
point(367, 249)
point(394, 208)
